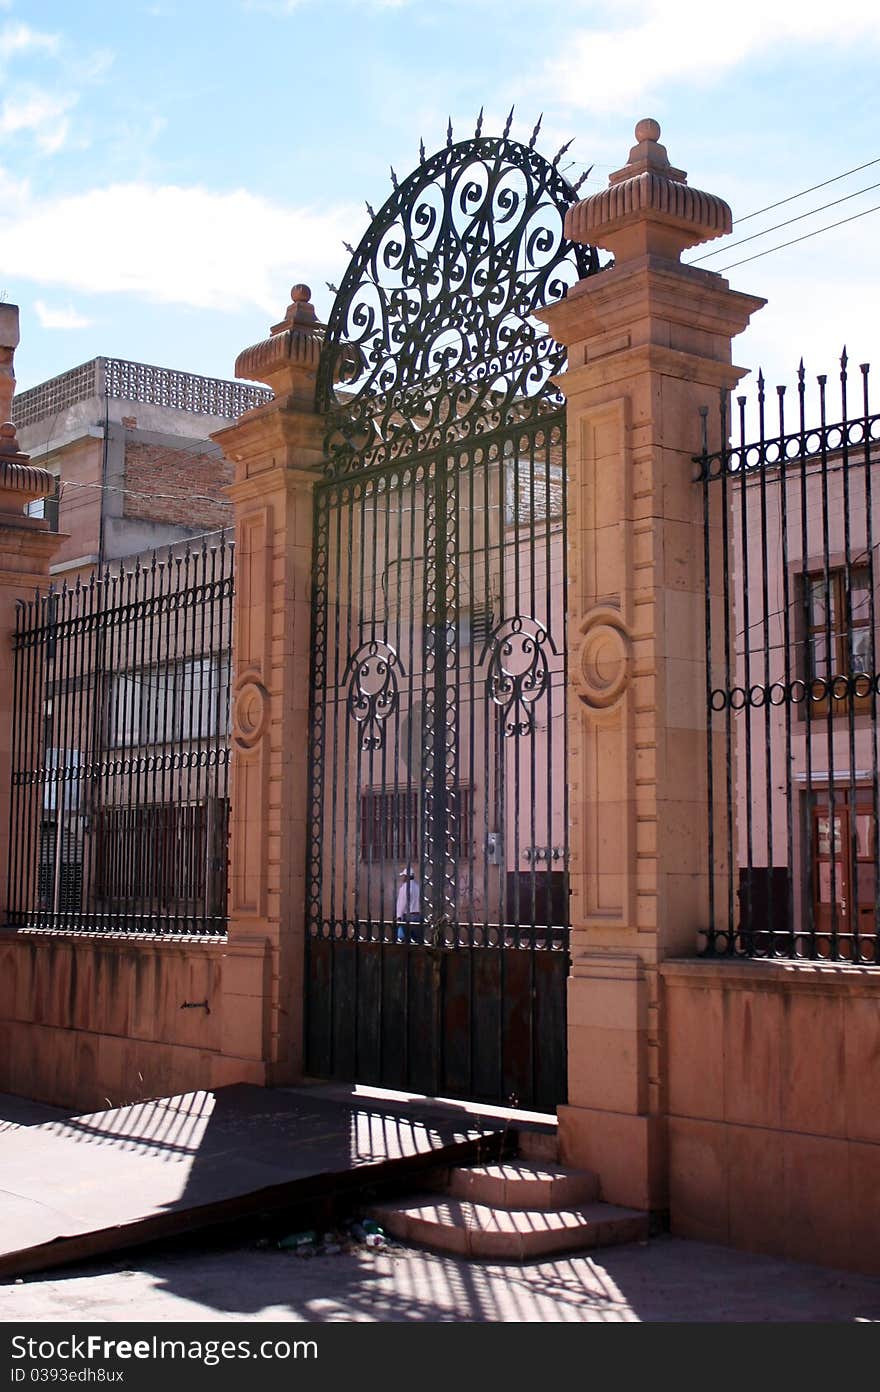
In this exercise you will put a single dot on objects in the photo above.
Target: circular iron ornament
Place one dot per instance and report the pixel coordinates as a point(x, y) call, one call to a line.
point(518, 674)
point(840, 688)
point(798, 691)
point(432, 338)
point(372, 689)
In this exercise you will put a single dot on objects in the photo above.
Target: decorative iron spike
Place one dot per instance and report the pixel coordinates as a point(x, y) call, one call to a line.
point(584, 177)
point(479, 125)
point(507, 125)
point(348, 248)
point(536, 131)
point(393, 176)
point(561, 151)
point(332, 288)
point(843, 359)
point(760, 381)
point(449, 135)
point(801, 372)
point(370, 212)
point(421, 152)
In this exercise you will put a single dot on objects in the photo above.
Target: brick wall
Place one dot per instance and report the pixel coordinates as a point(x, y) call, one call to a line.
point(180, 486)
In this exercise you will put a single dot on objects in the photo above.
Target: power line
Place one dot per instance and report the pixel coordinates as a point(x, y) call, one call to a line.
point(807, 235)
point(136, 493)
point(804, 192)
point(720, 251)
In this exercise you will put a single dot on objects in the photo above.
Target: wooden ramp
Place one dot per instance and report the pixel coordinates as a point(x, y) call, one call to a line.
point(73, 1187)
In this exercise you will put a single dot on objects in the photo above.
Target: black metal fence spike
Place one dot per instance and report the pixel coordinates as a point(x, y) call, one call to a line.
point(449, 135)
point(843, 359)
point(508, 123)
point(331, 287)
point(584, 177)
point(393, 177)
point(349, 248)
point(801, 371)
point(536, 131)
point(479, 128)
point(370, 214)
point(561, 151)
point(421, 152)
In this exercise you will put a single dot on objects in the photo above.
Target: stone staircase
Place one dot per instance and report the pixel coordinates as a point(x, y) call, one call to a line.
point(516, 1210)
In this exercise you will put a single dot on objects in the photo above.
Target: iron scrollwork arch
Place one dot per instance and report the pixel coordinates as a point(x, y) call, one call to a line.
point(432, 338)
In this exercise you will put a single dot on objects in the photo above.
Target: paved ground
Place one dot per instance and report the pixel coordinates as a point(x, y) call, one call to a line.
point(154, 1164)
point(668, 1279)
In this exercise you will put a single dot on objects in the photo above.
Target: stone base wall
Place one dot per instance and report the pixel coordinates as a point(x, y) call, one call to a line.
point(88, 1023)
point(774, 1108)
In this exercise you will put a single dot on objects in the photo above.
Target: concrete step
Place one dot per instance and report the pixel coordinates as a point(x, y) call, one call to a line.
point(518, 1184)
point(513, 1234)
point(540, 1146)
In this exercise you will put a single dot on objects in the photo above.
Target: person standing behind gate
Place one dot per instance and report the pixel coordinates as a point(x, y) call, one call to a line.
point(409, 907)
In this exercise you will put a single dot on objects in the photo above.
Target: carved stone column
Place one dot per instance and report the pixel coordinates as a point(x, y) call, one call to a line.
point(276, 450)
point(26, 548)
point(649, 342)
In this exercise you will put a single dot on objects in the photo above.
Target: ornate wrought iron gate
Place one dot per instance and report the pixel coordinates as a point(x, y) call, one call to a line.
point(437, 947)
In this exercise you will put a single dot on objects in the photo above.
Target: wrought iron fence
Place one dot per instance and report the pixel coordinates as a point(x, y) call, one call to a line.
point(120, 749)
point(791, 529)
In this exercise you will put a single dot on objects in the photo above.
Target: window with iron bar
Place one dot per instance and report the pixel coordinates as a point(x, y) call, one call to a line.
point(850, 652)
point(389, 823)
point(186, 700)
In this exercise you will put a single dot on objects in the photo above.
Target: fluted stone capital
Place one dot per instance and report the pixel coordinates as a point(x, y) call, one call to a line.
point(288, 360)
point(648, 207)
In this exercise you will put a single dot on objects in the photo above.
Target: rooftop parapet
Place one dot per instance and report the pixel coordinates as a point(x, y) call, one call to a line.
point(120, 379)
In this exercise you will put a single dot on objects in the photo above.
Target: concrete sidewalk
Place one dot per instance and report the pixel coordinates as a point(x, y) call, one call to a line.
point(666, 1280)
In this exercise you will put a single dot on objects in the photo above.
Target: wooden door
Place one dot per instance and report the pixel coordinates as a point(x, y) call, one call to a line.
point(844, 876)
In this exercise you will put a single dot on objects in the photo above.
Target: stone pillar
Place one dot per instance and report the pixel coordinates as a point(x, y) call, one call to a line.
point(649, 343)
point(276, 451)
point(26, 548)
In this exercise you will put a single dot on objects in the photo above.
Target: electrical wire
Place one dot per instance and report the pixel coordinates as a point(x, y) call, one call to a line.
point(794, 240)
point(803, 193)
point(721, 251)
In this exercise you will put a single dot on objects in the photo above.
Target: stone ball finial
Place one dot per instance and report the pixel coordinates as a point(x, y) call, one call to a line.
point(648, 208)
point(647, 129)
point(288, 360)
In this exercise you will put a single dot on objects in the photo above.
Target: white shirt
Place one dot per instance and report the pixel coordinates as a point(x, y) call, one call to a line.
point(408, 899)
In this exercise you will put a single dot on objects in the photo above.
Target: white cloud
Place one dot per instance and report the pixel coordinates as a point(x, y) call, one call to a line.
point(185, 246)
point(66, 318)
point(21, 38)
point(661, 41)
point(283, 7)
point(43, 115)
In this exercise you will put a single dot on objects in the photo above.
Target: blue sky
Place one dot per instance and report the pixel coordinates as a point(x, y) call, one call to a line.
point(169, 169)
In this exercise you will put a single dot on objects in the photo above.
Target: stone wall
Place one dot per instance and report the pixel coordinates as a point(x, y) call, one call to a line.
point(773, 1107)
